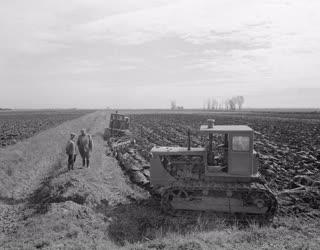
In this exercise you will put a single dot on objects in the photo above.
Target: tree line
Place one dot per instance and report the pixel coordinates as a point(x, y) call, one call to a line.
point(174, 106)
point(233, 103)
point(214, 103)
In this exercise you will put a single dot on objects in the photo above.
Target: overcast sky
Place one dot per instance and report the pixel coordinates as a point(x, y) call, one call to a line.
point(144, 53)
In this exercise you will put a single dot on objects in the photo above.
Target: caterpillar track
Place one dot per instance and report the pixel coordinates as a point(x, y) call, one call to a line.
point(243, 201)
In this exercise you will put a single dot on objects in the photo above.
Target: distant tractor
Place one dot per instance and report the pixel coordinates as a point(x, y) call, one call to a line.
point(222, 177)
point(118, 126)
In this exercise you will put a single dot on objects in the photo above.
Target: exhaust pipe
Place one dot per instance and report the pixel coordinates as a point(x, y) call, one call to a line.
point(211, 123)
point(189, 140)
point(210, 156)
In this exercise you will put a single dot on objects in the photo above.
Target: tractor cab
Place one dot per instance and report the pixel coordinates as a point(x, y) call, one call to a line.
point(228, 156)
point(118, 121)
point(229, 150)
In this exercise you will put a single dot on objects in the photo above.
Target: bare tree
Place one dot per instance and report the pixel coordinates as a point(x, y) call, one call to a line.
point(173, 105)
point(208, 104)
point(214, 104)
point(227, 104)
point(204, 105)
point(180, 108)
point(232, 103)
point(240, 100)
point(220, 103)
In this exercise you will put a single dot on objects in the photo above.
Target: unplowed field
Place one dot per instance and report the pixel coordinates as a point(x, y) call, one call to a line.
point(19, 125)
point(288, 146)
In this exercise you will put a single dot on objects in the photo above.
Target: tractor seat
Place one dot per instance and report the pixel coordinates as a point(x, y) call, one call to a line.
point(215, 169)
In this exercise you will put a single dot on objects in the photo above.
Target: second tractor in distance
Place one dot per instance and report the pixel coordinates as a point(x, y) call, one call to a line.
point(118, 126)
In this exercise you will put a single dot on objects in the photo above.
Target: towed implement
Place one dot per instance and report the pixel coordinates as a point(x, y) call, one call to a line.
point(222, 177)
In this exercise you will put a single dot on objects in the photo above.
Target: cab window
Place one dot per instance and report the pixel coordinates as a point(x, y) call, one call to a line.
point(241, 143)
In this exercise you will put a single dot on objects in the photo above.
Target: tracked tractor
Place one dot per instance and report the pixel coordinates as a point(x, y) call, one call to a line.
point(221, 177)
point(118, 126)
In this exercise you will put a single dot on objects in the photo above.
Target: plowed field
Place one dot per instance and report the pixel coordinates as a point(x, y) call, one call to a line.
point(288, 146)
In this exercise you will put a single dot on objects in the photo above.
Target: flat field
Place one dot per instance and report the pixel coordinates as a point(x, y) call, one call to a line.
point(43, 206)
point(16, 125)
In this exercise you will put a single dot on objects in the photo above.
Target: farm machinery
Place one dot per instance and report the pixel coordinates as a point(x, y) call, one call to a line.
point(221, 177)
point(118, 135)
point(118, 126)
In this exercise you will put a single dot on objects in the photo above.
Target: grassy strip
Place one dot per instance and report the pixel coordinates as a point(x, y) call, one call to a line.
point(68, 209)
point(22, 165)
point(286, 233)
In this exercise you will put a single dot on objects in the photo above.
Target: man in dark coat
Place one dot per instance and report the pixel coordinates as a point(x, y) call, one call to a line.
point(85, 146)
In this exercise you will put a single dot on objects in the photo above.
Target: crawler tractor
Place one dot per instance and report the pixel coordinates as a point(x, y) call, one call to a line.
point(118, 126)
point(221, 177)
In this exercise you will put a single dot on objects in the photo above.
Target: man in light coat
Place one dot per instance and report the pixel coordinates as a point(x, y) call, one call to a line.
point(71, 151)
point(85, 146)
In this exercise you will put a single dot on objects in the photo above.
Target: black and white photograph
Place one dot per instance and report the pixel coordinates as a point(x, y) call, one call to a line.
point(159, 124)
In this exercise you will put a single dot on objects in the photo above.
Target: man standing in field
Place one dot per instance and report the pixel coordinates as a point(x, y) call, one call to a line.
point(71, 151)
point(85, 145)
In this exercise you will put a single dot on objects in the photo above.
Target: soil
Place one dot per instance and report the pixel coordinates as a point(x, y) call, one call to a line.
point(288, 147)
